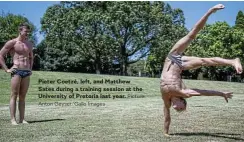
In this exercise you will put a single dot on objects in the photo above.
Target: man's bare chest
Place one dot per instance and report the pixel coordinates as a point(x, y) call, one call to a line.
point(22, 47)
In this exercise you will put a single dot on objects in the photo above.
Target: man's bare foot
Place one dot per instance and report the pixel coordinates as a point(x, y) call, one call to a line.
point(13, 122)
point(24, 122)
point(166, 135)
point(238, 66)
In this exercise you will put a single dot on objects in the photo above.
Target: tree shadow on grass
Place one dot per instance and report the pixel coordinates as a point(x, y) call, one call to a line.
point(218, 135)
point(39, 121)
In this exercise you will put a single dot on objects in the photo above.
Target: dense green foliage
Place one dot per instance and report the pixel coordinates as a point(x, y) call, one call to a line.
point(124, 38)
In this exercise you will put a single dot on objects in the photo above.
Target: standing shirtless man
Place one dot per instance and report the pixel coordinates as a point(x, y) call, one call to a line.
point(21, 51)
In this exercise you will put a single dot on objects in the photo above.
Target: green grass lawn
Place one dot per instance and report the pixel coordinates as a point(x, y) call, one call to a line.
point(121, 119)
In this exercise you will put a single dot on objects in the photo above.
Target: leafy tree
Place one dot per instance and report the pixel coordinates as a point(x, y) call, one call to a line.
point(141, 28)
point(171, 30)
point(239, 23)
point(102, 36)
point(9, 24)
point(77, 31)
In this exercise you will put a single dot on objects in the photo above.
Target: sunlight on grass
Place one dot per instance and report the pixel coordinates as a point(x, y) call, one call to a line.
point(121, 119)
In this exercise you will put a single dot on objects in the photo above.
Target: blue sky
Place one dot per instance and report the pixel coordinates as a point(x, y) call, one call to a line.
point(193, 10)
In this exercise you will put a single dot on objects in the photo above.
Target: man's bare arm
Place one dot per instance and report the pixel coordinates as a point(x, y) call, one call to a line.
point(167, 118)
point(31, 57)
point(8, 45)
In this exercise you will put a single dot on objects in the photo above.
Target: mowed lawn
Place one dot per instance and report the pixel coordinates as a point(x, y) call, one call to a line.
point(120, 119)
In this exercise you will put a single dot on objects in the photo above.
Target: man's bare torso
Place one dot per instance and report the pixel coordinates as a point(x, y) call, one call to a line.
point(170, 80)
point(21, 54)
point(171, 72)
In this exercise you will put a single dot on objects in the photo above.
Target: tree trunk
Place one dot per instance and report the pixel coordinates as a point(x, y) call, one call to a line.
point(98, 62)
point(98, 70)
point(123, 62)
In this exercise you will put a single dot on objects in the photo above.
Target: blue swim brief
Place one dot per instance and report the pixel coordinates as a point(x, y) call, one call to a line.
point(21, 73)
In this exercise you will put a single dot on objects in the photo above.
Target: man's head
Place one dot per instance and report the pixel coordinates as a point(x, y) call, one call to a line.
point(179, 103)
point(24, 30)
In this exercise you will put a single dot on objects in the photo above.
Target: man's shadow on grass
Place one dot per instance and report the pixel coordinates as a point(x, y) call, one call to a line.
point(217, 135)
point(39, 121)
